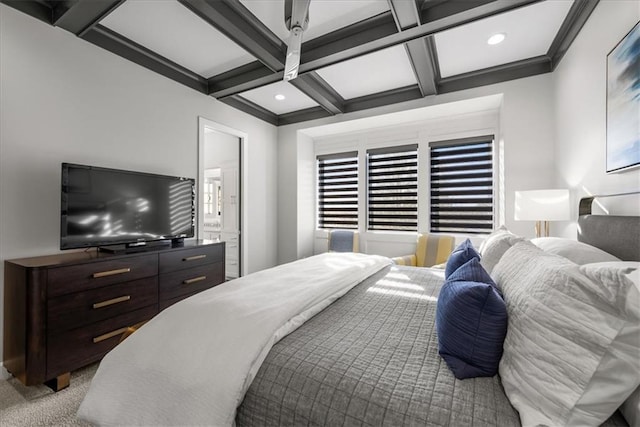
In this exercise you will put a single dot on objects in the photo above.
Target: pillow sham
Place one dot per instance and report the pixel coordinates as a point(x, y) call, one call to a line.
point(570, 353)
point(578, 252)
point(460, 255)
point(495, 245)
point(471, 322)
point(633, 268)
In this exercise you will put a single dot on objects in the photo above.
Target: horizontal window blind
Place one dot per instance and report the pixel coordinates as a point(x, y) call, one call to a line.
point(392, 184)
point(338, 191)
point(462, 185)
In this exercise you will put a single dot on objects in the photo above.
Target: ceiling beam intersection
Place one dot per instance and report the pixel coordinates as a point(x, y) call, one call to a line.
point(571, 26)
point(421, 52)
point(80, 16)
point(233, 20)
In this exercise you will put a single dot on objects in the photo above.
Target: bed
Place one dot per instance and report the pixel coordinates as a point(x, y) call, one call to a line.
point(367, 354)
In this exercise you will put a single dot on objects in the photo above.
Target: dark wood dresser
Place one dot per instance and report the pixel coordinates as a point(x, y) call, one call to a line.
point(64, 311)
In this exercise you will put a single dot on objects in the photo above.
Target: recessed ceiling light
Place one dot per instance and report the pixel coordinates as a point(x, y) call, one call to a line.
point(496, 38)
point(279, 97)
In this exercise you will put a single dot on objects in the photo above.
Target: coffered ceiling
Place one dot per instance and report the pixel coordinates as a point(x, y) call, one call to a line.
point(356, 54)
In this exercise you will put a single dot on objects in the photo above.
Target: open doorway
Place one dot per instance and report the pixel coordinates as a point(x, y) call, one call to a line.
point(220, 191)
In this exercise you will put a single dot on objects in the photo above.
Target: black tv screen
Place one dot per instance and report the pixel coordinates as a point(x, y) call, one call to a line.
point(101, 207)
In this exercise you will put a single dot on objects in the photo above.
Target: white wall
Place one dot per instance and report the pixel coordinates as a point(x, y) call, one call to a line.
point(66, 100)
point(580, 90)
point(306, 200)
point(526, 127)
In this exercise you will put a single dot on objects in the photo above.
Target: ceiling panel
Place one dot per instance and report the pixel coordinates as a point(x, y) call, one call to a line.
point(265, 97)
point(373, 73)
point(171, 30)
point(325, 16)
point(529, 33)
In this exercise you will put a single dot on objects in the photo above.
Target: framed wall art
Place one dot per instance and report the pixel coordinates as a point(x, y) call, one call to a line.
point(623, 103)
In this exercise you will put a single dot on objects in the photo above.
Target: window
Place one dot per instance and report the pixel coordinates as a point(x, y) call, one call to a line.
point(338, 191)
point(462, 185)
point(392, 188)
point(208, 196)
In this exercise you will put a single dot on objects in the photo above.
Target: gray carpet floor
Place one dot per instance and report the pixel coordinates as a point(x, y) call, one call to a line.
point(40, 406)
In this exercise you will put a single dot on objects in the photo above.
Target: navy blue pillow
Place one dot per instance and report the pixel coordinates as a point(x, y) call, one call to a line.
point(460, 255)
point(471, 321)
point(471, 272)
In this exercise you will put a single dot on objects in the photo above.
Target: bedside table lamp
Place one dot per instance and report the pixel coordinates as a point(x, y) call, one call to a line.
point(542, 206)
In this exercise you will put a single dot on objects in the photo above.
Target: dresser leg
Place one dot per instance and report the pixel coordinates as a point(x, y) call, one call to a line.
point(60, 382)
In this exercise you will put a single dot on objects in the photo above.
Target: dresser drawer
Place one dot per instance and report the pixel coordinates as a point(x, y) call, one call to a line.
point(190, 281)
point(69, 350)
point(82, 308)
point(189, 258)
point(74, 278)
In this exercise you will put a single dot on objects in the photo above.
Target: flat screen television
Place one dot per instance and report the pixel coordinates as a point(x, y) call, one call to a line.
point(106, 207)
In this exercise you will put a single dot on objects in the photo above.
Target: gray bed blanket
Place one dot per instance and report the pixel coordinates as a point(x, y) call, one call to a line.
point(371, 358)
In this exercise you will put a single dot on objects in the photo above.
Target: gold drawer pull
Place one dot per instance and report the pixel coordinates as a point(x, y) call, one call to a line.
point(111, 272)
point(194, 280)
point(109, 335)
point(195, 257)
point(112, 301)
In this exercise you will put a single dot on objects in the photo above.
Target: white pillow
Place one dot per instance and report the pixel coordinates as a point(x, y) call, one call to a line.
point(578, 252)
point(631, 407)
point(495, 245)
point(571, 350)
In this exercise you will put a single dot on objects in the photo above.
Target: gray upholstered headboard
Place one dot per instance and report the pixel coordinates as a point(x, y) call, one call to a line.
point(618, 235)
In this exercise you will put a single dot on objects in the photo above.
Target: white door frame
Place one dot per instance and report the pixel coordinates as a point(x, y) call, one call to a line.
point(243, 136)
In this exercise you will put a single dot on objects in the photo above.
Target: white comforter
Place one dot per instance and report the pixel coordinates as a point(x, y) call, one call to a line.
point(192, 364)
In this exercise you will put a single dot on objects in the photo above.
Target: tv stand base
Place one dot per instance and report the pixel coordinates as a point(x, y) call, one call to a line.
point(131, 249)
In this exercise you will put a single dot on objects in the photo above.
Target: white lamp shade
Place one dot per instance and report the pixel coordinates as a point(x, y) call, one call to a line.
point(542, 205)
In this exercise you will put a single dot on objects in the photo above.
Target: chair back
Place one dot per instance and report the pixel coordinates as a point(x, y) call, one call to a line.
point(433, 249)
point(343, 241)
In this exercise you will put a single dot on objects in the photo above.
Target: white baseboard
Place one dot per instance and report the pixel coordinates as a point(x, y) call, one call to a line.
point(4, 374)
